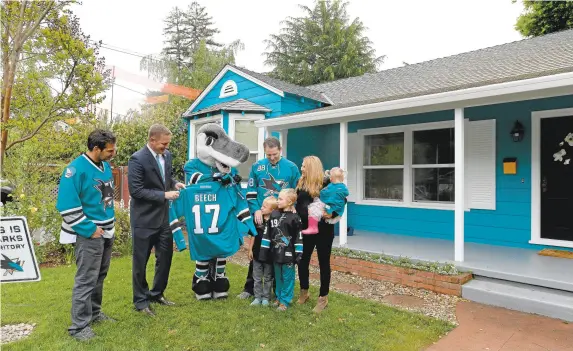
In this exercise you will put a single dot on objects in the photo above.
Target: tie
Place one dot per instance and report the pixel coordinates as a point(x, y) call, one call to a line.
point(160, 168)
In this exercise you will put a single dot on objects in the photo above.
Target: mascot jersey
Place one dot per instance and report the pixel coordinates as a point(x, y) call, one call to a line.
point(214, 214)
point(199, 172)
point(85, 199)
point(267, 180)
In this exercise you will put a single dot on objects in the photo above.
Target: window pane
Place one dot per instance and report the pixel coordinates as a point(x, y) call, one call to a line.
point(434, 184)
point(245, 168)
point(433, 146)
point(246, 133)
point(384, 149)
point(384, 184)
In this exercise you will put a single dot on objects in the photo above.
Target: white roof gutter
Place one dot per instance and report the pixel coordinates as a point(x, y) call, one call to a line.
point(554, 85)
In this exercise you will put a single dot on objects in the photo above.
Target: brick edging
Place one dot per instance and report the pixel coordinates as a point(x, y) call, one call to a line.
point(444, 284)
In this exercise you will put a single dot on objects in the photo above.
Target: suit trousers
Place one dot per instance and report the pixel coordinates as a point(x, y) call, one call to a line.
point(143, 240)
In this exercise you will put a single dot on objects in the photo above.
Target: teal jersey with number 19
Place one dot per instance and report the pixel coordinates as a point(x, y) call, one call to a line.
point(216, 217)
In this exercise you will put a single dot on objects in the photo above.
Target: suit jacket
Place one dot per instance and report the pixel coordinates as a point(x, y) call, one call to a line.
point(149, 209)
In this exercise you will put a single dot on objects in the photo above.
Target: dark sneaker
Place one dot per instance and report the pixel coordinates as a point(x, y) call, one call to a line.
point(84, 335)
point(101, 317)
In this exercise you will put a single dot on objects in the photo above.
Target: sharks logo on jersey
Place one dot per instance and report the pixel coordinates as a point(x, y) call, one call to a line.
point(273, 186)
point(106, 190)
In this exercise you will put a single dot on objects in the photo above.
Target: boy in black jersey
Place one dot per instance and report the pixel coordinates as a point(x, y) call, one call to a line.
point(262, 269)
point(282, 241)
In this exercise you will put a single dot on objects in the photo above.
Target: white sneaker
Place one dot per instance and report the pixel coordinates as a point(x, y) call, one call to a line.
point(256, 302)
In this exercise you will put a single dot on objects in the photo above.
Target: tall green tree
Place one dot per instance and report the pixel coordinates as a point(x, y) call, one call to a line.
point(51, 70)
point(201, 27)
point(184, 31)
point(544, 17)
point(321, 46)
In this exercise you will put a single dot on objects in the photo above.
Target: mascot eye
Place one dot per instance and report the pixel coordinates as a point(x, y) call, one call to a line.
point(209, 141)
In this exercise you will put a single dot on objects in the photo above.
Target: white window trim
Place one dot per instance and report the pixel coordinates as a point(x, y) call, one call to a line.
point(536, 117)
point(195, 124)
point(261, 135)
point(407, 189)
point(235, 91)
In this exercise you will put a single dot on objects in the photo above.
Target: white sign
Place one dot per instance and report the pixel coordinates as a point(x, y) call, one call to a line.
point(17, 256)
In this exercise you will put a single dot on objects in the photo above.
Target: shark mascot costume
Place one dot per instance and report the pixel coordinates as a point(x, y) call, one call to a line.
point(216, 212)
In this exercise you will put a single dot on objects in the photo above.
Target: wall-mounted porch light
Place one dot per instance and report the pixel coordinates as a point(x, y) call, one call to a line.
point(517, 132)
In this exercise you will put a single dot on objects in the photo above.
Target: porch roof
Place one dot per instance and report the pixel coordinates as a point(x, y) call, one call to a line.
point(547, 59)
point(235, 105)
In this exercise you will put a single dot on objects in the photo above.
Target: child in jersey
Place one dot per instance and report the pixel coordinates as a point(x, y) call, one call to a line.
point(282, 241)
point(330, 204)
point(262, 269)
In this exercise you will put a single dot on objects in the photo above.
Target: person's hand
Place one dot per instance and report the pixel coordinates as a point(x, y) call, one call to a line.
point(259, 217)
point(98, 233)
point(326, 215)
point(298, 258)
point(179, 186)
point(250, 255)
point(172, 195)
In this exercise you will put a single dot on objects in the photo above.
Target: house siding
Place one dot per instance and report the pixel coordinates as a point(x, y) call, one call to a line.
point(246, 90)
point(508, 225)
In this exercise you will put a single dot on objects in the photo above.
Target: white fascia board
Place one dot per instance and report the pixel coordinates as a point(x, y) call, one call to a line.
point(554, 85)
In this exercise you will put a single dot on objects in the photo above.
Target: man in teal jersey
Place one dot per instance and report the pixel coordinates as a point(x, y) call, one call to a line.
point(85, 202)
point(267, 178)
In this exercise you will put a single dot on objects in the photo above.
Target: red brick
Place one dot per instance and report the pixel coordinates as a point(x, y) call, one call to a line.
point(427, 286)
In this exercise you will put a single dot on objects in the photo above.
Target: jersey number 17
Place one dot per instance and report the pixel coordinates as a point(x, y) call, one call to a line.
point(208, 209)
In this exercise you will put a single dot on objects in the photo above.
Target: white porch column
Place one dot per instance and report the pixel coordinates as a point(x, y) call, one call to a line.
point(343, 163)
point(260, 150)
point(459, 185)
point(283, 139)
point(191, 140)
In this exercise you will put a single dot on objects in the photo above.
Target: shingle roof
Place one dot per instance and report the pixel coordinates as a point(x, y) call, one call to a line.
point(524, 59)
point(286, 87)
point(236, 105)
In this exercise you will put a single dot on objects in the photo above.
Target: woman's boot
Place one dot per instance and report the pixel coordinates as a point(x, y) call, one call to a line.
point(303, 296)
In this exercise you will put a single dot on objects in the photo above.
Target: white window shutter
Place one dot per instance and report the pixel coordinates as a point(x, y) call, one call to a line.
point(352, 162)
point(480, 165)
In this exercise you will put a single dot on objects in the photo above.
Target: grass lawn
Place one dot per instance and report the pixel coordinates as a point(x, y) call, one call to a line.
point(348, 323)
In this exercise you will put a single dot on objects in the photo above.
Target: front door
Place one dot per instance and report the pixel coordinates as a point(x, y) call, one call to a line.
point(557, 178)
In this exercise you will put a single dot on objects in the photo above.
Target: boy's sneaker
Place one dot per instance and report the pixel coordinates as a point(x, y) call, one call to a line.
point(102, 317)
point(265, 302)
point(256, 302)
point(84, 334)
point(244, 295)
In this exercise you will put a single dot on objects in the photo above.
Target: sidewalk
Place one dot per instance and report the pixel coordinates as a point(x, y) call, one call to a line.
point(491, 328)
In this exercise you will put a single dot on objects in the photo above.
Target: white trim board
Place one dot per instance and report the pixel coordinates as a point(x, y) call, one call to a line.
point(220, 75)
point(536, 118)
point(554, 85)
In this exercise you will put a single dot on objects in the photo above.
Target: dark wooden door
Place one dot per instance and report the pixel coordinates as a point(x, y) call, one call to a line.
point(557, 178)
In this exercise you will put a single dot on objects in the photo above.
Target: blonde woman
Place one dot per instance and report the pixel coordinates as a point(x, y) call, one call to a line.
point(312, 180)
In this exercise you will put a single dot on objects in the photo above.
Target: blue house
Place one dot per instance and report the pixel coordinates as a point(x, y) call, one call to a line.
point(466, 158)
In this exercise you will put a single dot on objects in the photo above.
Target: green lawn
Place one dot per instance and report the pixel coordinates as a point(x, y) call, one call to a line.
point(347, 324)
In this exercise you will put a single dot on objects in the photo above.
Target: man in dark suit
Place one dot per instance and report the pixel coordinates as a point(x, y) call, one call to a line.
point(151, 188)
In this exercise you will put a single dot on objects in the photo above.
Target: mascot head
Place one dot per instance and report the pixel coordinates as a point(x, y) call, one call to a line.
point(216, 149)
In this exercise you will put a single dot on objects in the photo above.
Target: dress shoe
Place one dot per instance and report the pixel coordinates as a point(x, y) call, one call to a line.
point(147, 311)
point(163, 301)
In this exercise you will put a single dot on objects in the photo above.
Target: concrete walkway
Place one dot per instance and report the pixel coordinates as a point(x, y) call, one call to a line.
point(497, 329)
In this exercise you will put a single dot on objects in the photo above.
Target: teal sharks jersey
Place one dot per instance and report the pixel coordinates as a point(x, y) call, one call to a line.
point(216, 216)
point(267, 180)
point(85, 199)
point(198, 172)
